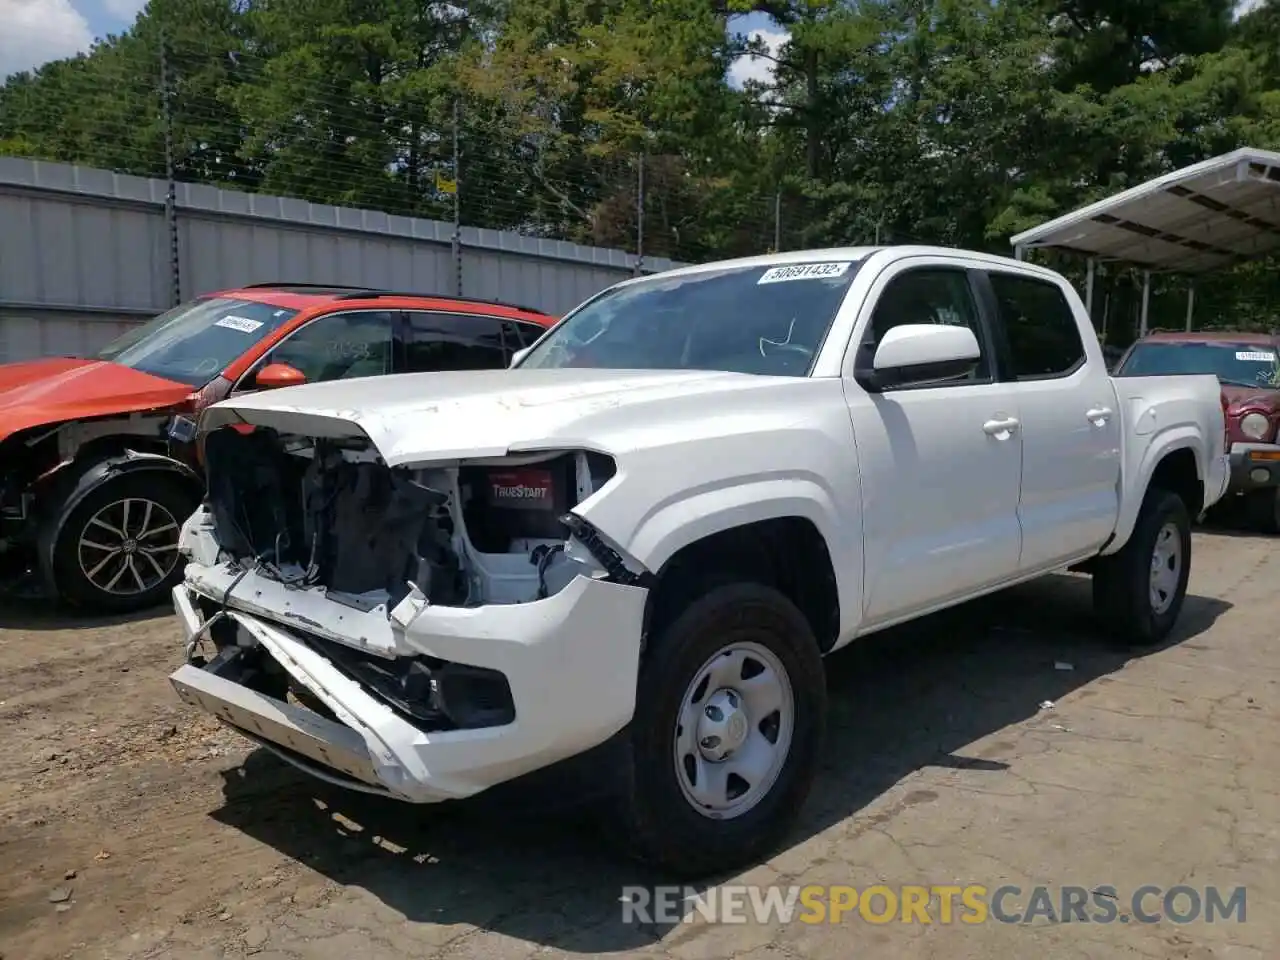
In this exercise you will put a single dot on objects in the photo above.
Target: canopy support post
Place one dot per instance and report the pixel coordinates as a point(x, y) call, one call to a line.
point(1088, 288)
point(1146, 303)
point(1191, 304)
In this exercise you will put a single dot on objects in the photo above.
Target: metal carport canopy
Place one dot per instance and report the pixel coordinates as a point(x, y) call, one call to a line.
point(1205, 217)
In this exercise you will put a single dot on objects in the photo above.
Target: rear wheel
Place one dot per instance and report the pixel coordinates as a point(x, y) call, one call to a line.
point(1138, 592)
point(117, 549)
point(730, 712)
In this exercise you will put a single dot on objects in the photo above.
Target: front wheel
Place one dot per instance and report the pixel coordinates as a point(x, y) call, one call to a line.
point(1138, 592)
point(117, 549)
point(730, 712)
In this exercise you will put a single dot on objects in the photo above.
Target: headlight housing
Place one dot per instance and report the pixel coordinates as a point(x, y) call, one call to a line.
point(1255, 426)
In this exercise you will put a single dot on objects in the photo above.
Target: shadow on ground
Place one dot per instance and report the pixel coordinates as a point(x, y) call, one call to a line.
point(903, 700)
point(24, 614)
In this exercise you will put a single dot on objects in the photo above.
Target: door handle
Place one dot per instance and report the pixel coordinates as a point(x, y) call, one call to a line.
point(996, 427)
point(1098, 415)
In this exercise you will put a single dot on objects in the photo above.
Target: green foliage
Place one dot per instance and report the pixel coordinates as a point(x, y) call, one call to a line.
point(949, 121)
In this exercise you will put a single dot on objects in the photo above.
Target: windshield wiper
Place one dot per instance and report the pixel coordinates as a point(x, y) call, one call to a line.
point(1238, 383)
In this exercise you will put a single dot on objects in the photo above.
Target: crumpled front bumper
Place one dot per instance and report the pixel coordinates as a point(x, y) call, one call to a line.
point(570, 661)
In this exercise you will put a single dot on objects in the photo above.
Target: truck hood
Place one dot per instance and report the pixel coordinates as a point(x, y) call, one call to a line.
point(54, 390)
point(421, 418)
point(1239, 398)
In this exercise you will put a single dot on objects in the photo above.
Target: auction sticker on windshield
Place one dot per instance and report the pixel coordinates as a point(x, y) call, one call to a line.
point(804, 271)
point(242, 324)
point(1263, 355)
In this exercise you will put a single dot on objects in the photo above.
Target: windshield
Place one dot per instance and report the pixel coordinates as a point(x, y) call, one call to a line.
point(194, 342)
point(1238, 364)
point(762, 320)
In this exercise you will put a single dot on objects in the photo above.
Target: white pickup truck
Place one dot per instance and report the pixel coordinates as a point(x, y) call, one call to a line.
point(634, 548)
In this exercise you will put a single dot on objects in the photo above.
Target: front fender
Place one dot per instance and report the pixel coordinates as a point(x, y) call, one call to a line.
point(1136, 481)
point(700, 513)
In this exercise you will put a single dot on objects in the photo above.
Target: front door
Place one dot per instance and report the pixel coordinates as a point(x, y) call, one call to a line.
point(940, 463)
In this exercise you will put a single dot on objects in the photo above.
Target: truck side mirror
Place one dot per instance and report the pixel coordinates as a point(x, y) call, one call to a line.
point(917, 353)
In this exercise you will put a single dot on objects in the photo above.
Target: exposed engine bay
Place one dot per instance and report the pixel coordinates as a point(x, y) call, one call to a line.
point(323, 513)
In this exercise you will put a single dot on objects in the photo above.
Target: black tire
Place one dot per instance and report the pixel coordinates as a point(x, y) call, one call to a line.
point(1122, 582)
point(167, 495)
point(1262, 507)
point(663, 826)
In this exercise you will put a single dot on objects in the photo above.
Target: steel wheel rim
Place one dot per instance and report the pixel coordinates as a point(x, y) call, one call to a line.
point(742, 698)
point(128, 547)
point(1166, 567)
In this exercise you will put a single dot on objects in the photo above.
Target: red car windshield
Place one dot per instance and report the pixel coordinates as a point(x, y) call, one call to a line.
point(1237, 364)
point(196, 341)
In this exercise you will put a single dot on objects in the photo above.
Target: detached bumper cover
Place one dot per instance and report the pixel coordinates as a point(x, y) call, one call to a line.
point(570, 660)
point(1254, 466)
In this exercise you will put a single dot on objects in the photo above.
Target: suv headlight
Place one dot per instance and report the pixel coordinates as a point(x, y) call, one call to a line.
point(1254, 426)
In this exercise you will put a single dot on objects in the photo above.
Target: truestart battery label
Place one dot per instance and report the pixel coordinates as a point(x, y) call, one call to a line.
point(521, 489)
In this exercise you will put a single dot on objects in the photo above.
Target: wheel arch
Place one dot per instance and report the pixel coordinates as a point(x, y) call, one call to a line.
point(93, 475)
point(787, 552)
point(1170, 463)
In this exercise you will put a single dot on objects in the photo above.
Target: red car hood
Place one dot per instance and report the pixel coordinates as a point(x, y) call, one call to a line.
point(55, 390)
point(1255, 397)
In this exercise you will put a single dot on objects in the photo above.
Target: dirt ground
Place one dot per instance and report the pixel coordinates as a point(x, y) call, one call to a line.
point(132, 827)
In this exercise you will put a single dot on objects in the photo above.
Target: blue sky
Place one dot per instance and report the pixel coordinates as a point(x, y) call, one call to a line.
point(108, 16)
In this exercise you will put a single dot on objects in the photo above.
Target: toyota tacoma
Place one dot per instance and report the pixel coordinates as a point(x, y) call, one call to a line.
point(639, 543)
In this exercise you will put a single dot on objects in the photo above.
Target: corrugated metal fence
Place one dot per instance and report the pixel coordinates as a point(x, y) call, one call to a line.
point(86, 252)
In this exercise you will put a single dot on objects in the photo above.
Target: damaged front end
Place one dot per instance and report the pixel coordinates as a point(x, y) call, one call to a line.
point(424, 631)
point(27, 460)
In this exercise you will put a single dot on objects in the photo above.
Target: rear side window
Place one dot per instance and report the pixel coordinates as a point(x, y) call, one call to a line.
point(448, 341)
point(1044, 339)
point(525, 333)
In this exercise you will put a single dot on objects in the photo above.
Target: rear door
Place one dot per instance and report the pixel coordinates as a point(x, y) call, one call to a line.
point(1070, 494)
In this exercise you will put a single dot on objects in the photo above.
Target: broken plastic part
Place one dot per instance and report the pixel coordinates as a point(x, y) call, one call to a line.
point(607, 557)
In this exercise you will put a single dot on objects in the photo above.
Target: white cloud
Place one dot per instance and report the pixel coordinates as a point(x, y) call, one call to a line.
point(33, 32)
point(748, 67)
point(125, 10)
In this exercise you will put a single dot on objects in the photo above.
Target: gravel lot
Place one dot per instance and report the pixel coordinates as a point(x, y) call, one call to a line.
point(131, 827)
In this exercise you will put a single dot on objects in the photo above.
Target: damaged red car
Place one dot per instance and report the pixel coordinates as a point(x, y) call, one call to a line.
point(98, 460)
point(1248, 367)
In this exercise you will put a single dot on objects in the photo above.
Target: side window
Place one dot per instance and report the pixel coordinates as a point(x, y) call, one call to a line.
point(527, 333)
point(448, 341)
point(339, 346)
point(1044, 338)
point(930, 295)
